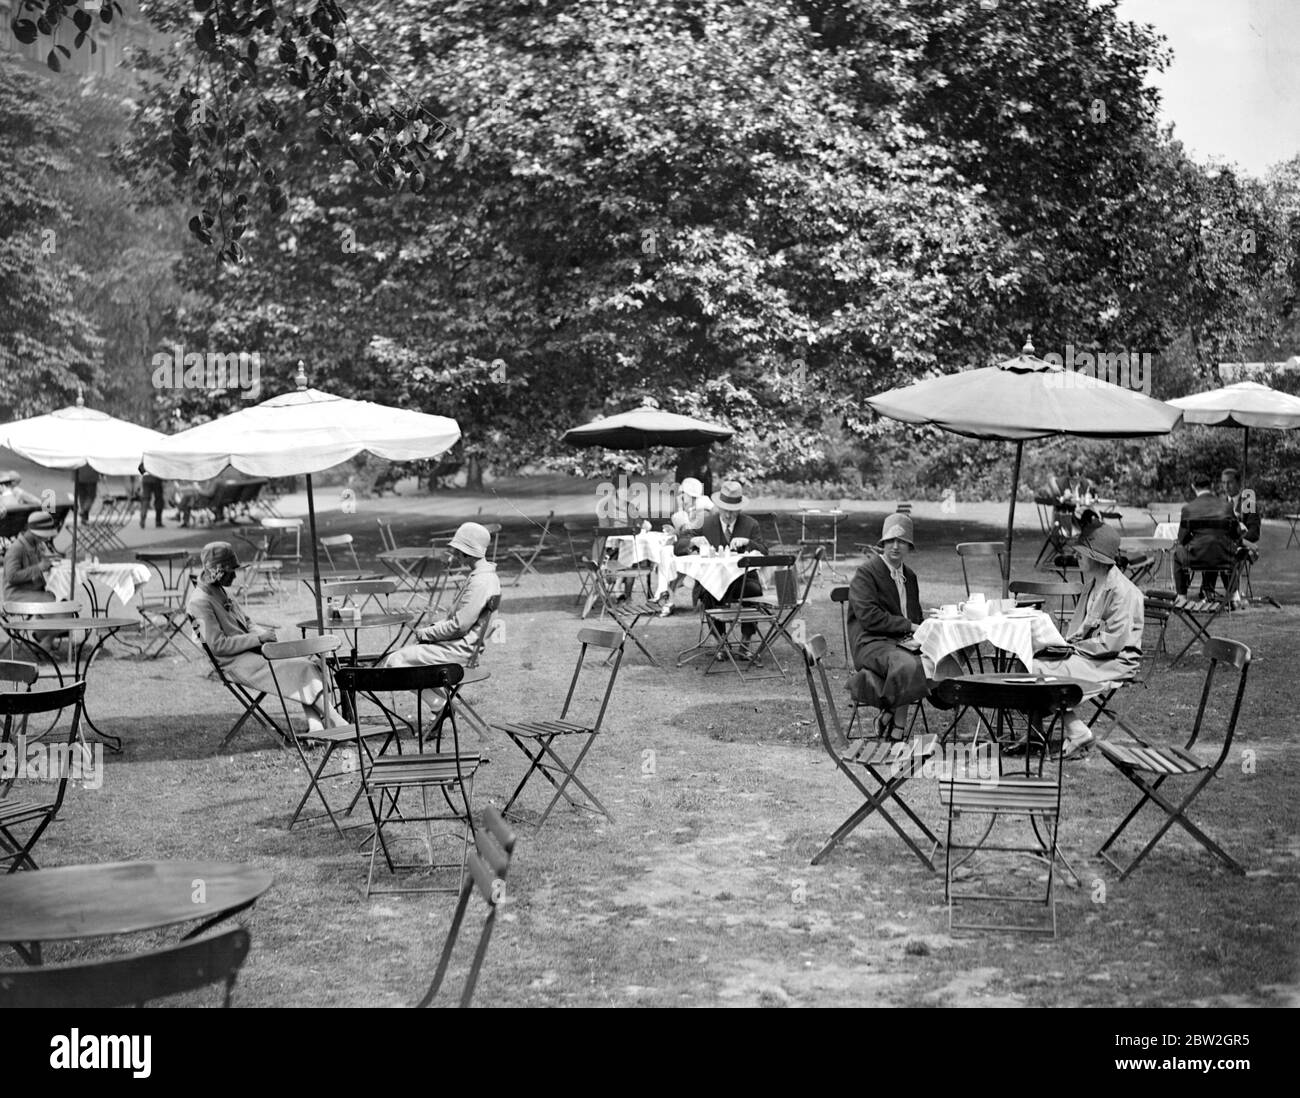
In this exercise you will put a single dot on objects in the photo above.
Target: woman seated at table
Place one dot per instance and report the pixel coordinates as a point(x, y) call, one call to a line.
point(1105, 631)
point(692, 506)
point(453, 639)
point(237, 643)
point(884, 609)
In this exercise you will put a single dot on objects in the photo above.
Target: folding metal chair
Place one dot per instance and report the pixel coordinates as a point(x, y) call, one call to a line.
point(779, 613)
point(38, 813)
point(386, 534)
point(15, 674)
point(526, 564)
point(628, 613)
point(132, 980)
point(536, 737)
point(1148, 766)
point(1143, 559)
point(1196, 616)
point(331, 739)
point(488, 865)
point(434, 774)
point(342, 543)
point(165, 610)
point(1036, 593)
point(273, 529)
point(249, 698)
point(726, 623)
point(1294, 537)
point(840, 596)
point(888, 766)
point(982, 550)
point(1035, 796)
point(580, 560)
point(610, 568)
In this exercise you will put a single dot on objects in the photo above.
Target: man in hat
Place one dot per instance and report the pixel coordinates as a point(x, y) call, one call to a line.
point(1105, 631)
point(28, 560)
point(728, 527)
point(236, 642)
point(151, 492)
point(13, 496)
point(884, 609)
point(1206, 541)
point(453, 639)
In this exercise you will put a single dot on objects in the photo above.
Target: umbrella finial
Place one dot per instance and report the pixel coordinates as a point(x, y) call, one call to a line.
point(1028, 348)
point(81, 397)
point(301, 376)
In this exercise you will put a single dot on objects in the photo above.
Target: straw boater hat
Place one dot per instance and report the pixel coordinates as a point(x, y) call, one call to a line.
point(1101, 543)
point(732, 496)
point(472, 539)
point(897, 526)
point(42, 524)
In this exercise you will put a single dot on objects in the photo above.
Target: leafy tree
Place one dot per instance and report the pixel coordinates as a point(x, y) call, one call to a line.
point(48, 346)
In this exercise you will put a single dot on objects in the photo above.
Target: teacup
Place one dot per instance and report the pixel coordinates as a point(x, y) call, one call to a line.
point(951, 610)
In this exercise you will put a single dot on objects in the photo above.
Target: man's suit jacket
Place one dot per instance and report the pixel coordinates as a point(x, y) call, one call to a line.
point(1248, 519)
point(1208, 547)
point(711, 528)
point(875, 615)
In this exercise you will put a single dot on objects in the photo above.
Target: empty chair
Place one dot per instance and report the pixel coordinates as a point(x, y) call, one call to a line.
point(969, 551)
point(489, 863)
point(440, 781)
point(536, 737)
point(132, 980)
point(31, 812)
point(886, 766)
point(1149, 765)
point(527, 557)
point(343, 545)
point(164, 609)
point(992, 797)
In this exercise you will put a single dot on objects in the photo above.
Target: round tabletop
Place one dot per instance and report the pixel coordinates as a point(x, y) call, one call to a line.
point(366, 621)
point(89, 901)
point(69, 625)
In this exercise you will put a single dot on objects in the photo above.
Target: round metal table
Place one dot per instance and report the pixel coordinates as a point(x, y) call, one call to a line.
point(94, 901)
point(29, 634)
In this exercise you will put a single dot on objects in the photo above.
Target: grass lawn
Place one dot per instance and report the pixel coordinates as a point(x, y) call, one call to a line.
point(700, 891)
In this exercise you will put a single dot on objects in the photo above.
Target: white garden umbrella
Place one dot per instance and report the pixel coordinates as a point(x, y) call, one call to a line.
point(302, 432)
point(1246, 404)
point(1025, 398)
point(75, 437)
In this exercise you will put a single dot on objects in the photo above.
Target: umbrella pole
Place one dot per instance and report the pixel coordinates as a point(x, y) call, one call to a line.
point(76, 511)
point(1011, 517)
point(315, 556)
point(1245, 455)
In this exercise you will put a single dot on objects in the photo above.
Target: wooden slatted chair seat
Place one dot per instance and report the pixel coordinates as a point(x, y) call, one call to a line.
point(1009, 793)
point(875, 752)
point(423, 769)
point(548, 728)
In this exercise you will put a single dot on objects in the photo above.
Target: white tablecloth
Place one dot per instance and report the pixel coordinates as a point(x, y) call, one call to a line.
point(1021, 636)
point(652, 545)
point(714, 574)
point(121, 579)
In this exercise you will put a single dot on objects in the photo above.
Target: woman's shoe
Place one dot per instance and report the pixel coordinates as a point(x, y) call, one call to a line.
point(883, 723)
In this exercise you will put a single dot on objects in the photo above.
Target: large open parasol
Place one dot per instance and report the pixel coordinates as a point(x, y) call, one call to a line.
point(644, 427)
point(75, 437)
point(297, 433)
point(1026, 398)
point(1246, 404)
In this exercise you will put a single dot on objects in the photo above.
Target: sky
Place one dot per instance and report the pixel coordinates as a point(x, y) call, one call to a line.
point(1232, 90)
